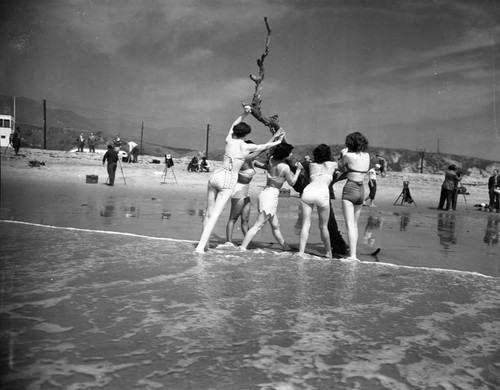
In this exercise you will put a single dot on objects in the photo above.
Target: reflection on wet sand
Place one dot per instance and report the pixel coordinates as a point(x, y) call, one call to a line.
point(446, 229)
point(404, 221)
point(491, 231)
point(372, 223)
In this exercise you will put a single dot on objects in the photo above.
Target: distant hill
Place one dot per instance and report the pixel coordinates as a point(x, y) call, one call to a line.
point(65, 126)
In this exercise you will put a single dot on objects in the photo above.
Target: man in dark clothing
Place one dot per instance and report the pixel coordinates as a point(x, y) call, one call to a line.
point(450, 182)
point(339, 246)
point(494, 183)
point(16, 140)
point(112, 156)
point(91, 142)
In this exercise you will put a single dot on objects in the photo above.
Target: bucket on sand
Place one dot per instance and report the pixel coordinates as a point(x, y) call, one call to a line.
point(92, 179)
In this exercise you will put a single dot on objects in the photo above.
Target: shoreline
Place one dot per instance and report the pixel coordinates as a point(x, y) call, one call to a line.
point(57, 194)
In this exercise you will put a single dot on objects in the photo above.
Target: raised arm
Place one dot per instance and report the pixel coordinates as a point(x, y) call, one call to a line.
point(252, 148)
point(246, 111)
point(291, 179)
point(260, 165)
point(280, 134)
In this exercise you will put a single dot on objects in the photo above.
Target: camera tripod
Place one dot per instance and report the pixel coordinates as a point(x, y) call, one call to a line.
point(9, 144)
point(460, 190)
point(405, 195)
point(165, 171)
point(123, 176)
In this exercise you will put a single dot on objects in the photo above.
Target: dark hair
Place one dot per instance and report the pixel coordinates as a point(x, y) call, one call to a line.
point(452, 167)
point(356, 142)
point(282, 151)
point(322, 153)
point(241, 129)
point(110, 147)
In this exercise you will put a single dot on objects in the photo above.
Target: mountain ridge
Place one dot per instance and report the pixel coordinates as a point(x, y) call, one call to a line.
point(66, 125)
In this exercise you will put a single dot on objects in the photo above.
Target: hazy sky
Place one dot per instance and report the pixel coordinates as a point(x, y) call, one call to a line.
point(404, 72)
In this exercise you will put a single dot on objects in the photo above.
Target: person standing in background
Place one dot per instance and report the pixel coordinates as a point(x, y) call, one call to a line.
point(80, 142)
point(383, 165)
point(450, 180)
point(133, 151)
point(117, 143)
point(494, 191)
point(372, 185)
point(16, 140)
point(112, 157)
point(91, 142)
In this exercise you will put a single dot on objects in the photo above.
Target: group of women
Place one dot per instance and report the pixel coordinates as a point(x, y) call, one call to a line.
point(232, 180)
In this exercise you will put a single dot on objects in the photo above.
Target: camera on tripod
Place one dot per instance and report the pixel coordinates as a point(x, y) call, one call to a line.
point(405, 194)
point(169, 161)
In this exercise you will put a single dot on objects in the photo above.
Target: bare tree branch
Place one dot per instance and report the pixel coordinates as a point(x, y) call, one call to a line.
point(273, 121)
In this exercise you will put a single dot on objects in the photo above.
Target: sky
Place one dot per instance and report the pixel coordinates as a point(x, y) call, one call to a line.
point(414, 74)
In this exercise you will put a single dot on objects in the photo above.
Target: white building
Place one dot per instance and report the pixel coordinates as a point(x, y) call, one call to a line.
point(6, 128)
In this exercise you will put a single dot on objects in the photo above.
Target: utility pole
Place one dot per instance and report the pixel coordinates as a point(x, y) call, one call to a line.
point(142, 132)
point(422, 152)
point(438, 145)
point(208, 136)
point(44, 124)
point(14, 112)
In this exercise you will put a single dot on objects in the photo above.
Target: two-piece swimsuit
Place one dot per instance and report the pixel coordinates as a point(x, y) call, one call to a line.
point(225, 177)
point(354, 191)
point(241, 189)
point(268, 198)
point(317, 195)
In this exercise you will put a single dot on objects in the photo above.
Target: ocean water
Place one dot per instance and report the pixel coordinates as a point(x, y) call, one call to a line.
point(102, 309)
point(407, 235)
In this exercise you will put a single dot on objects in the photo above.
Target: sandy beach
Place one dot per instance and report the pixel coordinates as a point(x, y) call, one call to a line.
point(57, 192)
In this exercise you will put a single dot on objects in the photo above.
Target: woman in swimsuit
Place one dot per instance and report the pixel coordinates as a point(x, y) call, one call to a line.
point(357, 163)
point(277, 173)
point(222, 181)
point(317, 193)
point(240, 200)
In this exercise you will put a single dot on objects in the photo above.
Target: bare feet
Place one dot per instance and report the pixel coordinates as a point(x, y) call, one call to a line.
point(286, 247)
point(200, 250)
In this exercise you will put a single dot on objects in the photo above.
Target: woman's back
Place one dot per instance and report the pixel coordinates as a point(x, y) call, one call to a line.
point(322, 174)
point(275, 174)
point(357, 165)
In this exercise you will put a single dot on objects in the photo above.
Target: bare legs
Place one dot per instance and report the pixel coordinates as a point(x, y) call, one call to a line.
point(324, 214)
point(259, 224)
point(240, 208)
point(306, 226)
point(351, 215)
point(216, 201)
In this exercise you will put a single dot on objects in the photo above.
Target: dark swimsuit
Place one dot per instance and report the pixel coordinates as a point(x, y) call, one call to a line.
point(354, 191)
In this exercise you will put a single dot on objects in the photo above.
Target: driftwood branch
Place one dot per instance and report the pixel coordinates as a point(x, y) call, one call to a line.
point(273, 121)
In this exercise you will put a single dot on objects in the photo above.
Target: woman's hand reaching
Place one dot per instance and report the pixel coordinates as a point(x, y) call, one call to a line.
point(279, 135)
